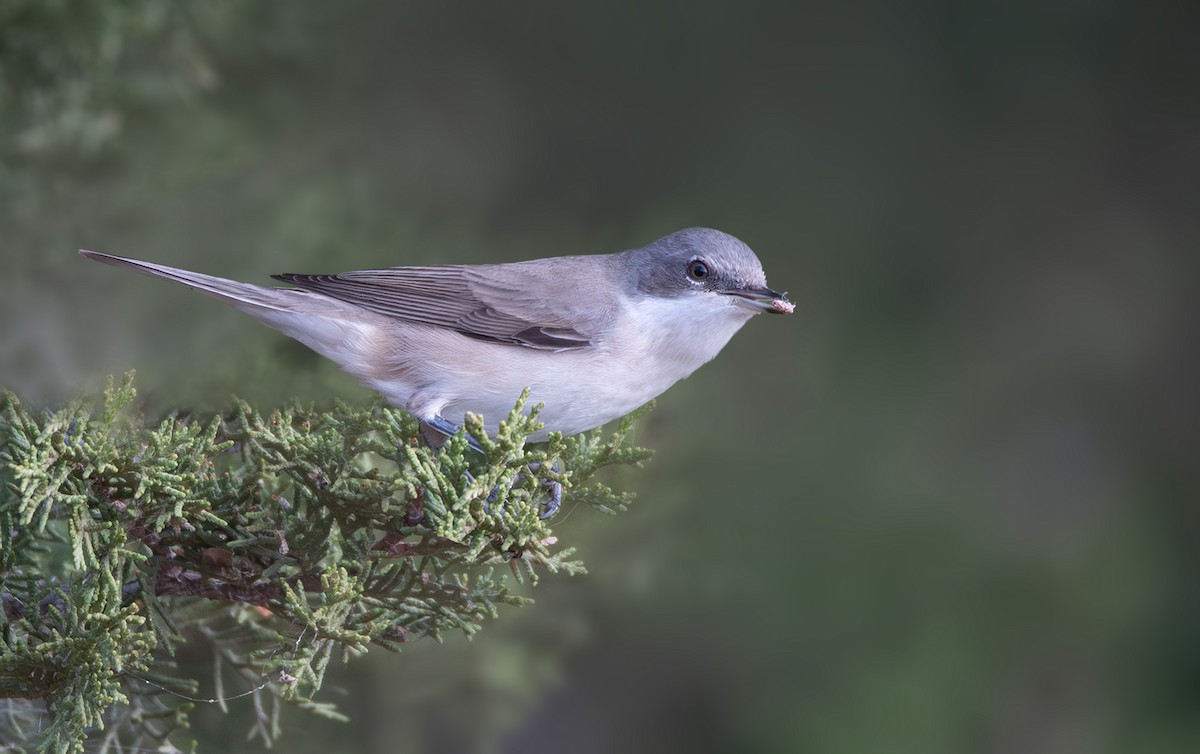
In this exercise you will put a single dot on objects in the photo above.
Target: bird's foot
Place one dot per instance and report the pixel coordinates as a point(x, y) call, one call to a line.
point(437, 431)
point(553, 489)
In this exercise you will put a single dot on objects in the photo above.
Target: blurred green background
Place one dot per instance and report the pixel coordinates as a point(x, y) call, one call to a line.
point(949, 506)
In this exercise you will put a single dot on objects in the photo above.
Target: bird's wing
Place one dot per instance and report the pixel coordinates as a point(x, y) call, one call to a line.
point(524, 304)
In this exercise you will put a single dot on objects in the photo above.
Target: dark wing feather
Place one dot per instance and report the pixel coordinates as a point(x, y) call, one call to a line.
point(507, 303)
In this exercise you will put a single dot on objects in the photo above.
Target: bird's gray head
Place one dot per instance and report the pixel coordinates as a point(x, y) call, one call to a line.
point(702, 262)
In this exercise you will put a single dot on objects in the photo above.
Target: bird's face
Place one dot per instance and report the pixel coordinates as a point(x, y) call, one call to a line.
point(708, 269)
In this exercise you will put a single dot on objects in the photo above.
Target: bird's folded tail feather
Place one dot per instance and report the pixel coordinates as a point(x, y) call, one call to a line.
point(242, 295)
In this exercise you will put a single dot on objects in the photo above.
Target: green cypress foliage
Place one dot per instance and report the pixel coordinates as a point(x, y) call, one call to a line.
point(287, 539)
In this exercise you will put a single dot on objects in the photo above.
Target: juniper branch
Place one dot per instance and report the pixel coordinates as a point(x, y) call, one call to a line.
point(287, 538)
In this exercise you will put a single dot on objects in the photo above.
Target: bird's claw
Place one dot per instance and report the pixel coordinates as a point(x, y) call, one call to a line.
point(554, 501)
point(554, 489)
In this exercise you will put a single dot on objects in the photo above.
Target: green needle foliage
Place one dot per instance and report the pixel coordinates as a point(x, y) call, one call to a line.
point(285, 539)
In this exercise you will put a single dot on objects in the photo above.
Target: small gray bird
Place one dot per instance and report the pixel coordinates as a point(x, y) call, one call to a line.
point(593, 337)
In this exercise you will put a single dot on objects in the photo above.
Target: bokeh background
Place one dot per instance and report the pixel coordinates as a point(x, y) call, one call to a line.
point(949, 506)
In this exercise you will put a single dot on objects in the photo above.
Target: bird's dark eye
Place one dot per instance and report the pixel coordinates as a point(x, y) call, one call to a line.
point(697, 269)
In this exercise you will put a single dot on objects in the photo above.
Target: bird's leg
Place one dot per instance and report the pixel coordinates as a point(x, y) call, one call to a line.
point(436, 431)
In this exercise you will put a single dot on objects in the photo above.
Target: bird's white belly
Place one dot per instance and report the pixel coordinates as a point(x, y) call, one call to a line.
point(446, 374)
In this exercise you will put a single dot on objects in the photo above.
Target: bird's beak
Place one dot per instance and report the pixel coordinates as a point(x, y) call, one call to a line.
point(761, 300)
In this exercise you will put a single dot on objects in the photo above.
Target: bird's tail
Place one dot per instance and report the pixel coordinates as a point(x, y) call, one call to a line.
point(337, 330)
point(242, 295)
